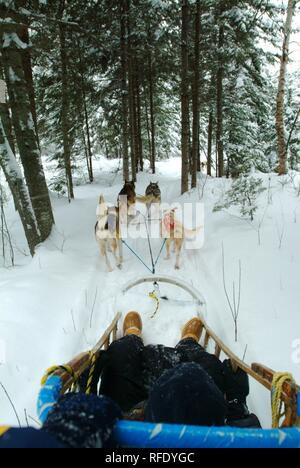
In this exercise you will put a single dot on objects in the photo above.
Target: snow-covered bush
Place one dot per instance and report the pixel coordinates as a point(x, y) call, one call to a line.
point(243, 193)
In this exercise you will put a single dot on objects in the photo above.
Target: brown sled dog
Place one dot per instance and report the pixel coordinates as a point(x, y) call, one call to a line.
point(127, 199)
point(153, 192)
point(174, 232)
point(127, 191)
point(107, 233)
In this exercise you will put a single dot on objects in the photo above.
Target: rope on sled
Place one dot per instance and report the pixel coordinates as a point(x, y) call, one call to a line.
point(91, 374)
point(277, 385)
point(53, 369)
point(153, 295)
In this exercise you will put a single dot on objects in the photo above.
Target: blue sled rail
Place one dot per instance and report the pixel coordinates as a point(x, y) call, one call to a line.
point(48, 396)
point(146, 435)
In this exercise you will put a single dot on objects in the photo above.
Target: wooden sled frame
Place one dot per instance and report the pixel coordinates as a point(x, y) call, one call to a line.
point(135, 434)
point(260, 373)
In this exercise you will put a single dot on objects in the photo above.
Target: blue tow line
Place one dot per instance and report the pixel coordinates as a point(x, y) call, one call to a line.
point(137, 256)
point(142, 261)
point(150, 249)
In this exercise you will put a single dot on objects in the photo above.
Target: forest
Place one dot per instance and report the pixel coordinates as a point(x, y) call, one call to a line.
point(141, 81)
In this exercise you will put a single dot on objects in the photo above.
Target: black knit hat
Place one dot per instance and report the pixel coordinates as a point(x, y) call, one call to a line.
point(186, 394)
point(83, 421)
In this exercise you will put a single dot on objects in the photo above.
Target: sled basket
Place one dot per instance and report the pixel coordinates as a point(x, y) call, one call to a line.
point(59, 379)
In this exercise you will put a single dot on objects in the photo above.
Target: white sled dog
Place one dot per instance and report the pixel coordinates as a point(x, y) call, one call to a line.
point(174, 232)
point(107, 232)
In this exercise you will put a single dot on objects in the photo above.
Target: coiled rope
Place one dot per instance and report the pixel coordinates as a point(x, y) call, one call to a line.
point(277, 386)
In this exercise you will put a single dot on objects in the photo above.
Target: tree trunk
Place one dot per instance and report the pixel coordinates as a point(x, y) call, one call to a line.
point(139, 121)
point(134, 97)
point(280, 127)
point(16, 183)
point(220, 77)
point(7, 124)
point(132, 114)
point(87, 144)
point(65, 109)
point(190, 118)
point(25, 130)
point(209, 143)
point(292, 129)
point(124, 90)
point(152, 113)
point(147, 125)
point(88, 135)
point(85, 150)
point(26, 58)
point(133, 155)
point(196, 108)
point(184, 99)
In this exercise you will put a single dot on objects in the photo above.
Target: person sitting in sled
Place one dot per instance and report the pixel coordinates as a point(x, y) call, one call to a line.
point(181, 385)
point(87, 421)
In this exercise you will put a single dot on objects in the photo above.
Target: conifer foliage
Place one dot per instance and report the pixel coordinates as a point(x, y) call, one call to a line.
point(142, 80)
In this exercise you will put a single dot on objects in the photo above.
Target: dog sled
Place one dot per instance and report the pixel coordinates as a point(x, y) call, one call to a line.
point(284, 392)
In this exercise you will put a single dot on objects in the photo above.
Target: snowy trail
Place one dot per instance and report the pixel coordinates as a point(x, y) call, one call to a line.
point(58, 304)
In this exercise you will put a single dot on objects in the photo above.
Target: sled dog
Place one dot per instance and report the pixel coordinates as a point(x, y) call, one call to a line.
point(174, 232)
point(107, 233)
point(127, 194)
point(153, 193)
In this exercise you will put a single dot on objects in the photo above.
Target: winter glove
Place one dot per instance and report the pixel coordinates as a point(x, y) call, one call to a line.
point(249, 421)
point(236, 410)
point(83, 421)
point(137, 413)
point(236, 383)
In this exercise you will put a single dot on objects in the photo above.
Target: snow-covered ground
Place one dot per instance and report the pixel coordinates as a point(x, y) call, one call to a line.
point(58, 304)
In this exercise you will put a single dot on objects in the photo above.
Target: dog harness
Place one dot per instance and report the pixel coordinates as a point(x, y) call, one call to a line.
point(169, 222)
point(111, 223)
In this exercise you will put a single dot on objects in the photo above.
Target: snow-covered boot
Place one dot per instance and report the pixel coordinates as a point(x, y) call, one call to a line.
point(132, 324)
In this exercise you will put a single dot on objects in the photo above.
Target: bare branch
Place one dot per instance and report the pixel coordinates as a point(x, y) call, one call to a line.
point(10, 400)
point(93, 307)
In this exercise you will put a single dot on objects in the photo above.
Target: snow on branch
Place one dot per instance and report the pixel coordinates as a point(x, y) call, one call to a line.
point(12, 39)
point(37, 16)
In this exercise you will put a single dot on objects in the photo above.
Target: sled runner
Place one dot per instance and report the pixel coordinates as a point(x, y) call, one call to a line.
point(284, 391)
